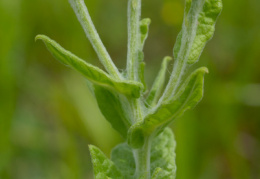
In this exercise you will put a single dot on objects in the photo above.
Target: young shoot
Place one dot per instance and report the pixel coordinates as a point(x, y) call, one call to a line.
point(142, 119)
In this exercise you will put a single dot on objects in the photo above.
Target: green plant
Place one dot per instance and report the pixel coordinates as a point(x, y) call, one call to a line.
point(142, 119)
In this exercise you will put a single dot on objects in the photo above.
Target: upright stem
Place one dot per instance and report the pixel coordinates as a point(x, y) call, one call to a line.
point(134, 39)
point(84, 18)
point(175, 78)
point(142, 155)
point(142, 160)
point(189, 30)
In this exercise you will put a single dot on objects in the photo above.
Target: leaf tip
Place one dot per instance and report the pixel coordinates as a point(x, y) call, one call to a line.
point(146, 21)
point(39, 37)
point(168, 58)
point(91, 147)
point(204, 69)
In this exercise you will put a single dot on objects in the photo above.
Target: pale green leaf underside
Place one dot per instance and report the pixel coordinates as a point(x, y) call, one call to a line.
point(189, 94)
point(162, 156)
point(92, 73)
point(205, 20)
point(110, 104)
point(161, 174)
point(104, 168)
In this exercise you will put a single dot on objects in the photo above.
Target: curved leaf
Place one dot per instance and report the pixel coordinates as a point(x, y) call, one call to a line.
point(190, 93)
point(103, 167)
point(92, 73)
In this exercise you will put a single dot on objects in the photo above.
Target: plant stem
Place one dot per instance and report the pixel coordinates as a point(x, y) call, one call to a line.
point(142, 160)
point(189, 33)
point(84, 18)
point(142, 155)
point(134, 39)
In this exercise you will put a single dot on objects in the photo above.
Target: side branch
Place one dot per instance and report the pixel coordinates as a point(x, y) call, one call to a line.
point(134, 13)
point(84, 18)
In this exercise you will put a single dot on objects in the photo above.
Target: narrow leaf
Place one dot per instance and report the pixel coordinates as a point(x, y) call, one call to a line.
point(103, 167)
point(158, 84)
point(203, 14)
point(92, 73)
point(189, 94)
point(141, 74)
point(144, 28)
point(114, 108)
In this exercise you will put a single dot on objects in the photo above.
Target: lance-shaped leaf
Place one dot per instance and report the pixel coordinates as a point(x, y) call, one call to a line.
point(114, 108)
point(103, 167)
point(141, 74)
point(162, 157)
point(158, 84)
point(189, 94)
point(202, 15)
point(92, 73)
point(144, 29)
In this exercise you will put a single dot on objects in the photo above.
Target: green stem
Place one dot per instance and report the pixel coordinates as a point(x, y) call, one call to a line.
point(142, 160)
point(175, 78)
point(189, 28)
point(83, 16)
point(134, 40)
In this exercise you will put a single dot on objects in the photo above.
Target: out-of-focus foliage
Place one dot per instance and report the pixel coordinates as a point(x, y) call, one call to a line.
point(48, 116)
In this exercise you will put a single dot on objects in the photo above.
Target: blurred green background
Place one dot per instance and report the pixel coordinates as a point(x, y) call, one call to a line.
point(48, 116)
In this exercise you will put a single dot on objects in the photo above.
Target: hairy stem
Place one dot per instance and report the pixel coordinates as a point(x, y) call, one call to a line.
point(83, 16)
point(134, 39)
point(189, 33)
point(142, 160)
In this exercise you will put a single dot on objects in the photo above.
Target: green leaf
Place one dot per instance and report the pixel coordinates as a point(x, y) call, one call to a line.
point(141, 74)
point(141, 69)
point(144, 29)
point(161, 174)
point(103, 167)
point(123, 158)
point(162, 157)
point(189, 94)
point(198, 27)
point(114, 108)
point(92, 73)
point(163, 164)
point(158, 84)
